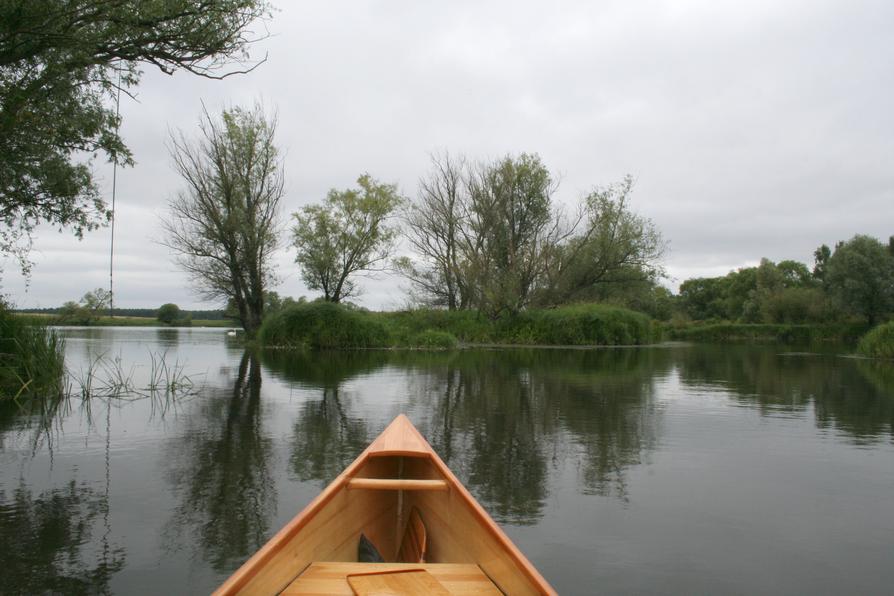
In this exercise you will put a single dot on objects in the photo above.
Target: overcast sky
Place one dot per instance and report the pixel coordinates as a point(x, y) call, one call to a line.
point(754, 129)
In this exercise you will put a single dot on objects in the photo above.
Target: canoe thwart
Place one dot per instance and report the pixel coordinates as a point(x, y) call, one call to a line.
point(397, 484)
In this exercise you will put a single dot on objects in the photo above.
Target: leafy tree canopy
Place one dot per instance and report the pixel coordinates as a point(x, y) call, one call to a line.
point(348, 234)
point(168, 313)
point(61, 63)
point(224, 226)
point(860, 275)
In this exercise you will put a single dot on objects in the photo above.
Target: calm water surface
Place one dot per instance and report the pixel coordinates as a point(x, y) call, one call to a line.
point(678, 469)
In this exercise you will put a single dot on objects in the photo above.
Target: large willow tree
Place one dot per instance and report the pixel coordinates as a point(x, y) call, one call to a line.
point(224, 226)
point(62, 62)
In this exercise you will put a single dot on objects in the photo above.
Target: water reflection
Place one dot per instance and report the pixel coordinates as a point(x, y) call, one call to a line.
point(500, 419)
point(326, 434)
point(527, 431)
point(221, 472)
point(49, 544)
point(854, 397)
point(167, 336)
point(506, 419)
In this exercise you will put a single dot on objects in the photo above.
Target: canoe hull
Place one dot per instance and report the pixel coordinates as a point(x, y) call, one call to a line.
point(328, 529)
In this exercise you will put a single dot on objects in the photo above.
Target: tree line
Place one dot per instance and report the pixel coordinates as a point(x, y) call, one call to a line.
point(486, 236)
point(855, 279)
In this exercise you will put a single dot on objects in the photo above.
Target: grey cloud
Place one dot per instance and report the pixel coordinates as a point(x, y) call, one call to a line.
point(753, 129)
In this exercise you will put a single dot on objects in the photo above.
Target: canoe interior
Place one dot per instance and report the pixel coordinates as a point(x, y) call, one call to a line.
point(459, 531)
point(331, 530)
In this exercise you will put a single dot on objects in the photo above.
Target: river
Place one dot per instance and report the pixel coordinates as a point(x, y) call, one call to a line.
point(677, 469)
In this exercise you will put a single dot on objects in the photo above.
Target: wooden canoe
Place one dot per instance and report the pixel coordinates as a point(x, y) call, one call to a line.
point(376, 495)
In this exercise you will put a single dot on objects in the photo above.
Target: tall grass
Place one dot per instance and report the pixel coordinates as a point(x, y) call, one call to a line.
point(31, 359)
point(577, 325)
point(879, 342)
point(322, 325)
point(766, 332)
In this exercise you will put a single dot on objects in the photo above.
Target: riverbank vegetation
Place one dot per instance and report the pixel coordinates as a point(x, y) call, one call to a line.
point(879, 343)
point(324, 325)
point(68, 316)
point(31, 358)
point(849, 290)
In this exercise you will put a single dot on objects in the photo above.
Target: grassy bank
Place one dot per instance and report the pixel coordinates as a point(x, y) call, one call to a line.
point(119, 321)
point(879, 342)
point(31, 359)
point(329, 326)
point(766, 333)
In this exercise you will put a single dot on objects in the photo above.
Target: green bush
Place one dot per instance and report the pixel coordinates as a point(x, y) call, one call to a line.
point(879, 342)
point(326, 325)
point(323, 325)
point(431, 339)
point(31, 358)
point(583, 324)
point(465, 325)
point(747, 332)
point(168, 313)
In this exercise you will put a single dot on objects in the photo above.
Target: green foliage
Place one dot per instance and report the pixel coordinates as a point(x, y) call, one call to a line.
point(489, 237)
point(327, 325)
point(346, 235)
point(613, 247)
point(224, 227)
point(466, 325)
point(86, 312)
point(795, 306)
point(31, 359)
point(744, 332)
point(738, 295)
point(511, 215)
point(168, 313)
point(770, 293)
point(702, 298)
point(879, 342)
point(642, 295)
point(61, 62)
point(323, 325)
point(583, 324)
point(860, 277)
point(431, 339)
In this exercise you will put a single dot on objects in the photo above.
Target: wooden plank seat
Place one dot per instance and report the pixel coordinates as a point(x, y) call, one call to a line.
point(396, 484)
point(332, 577)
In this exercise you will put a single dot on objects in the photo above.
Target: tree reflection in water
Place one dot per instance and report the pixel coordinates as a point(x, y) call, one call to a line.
point(854, 397)
point(48, 544)
point(221, 473)
point(500, 419)
point(326, 437)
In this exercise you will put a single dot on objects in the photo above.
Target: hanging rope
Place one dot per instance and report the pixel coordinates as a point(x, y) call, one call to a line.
point(114, 192)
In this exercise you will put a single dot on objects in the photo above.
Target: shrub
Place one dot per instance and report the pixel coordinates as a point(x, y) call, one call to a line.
point(431, 339)
point(583, 324)
point(879, 342)
point(168, 313)
point(747, 332)
point(323, 325)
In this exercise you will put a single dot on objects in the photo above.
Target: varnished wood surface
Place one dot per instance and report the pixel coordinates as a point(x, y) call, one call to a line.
point(328, 529)
point(414, 545)
point(396, 484)
point(396, 583)
point(331, 578)
point(400, 438)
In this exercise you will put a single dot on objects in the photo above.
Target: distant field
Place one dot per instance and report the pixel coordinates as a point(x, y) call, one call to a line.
point(127, 321)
